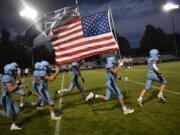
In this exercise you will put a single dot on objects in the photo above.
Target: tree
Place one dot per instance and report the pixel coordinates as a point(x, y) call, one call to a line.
point(155, 38)
point(124, 45)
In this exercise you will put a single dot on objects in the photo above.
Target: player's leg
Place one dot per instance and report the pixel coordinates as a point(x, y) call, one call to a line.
point(143, 92)
point(15, 111)
point(113, 87)
point(51, 105)
point(80, 88)
point(71, 86)
point(92, 96)
point(23, 94)
point(162, 88)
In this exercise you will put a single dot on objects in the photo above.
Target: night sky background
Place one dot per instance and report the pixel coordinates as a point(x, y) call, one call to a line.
point(130, 16)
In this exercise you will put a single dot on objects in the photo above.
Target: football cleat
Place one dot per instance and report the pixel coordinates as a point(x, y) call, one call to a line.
point(56, 93)
point(161, 97)
point(128, 111)
point(139, 102)
point(29, 93)
point(39, 108)
point(55, 118)
point(15, 128)
point(90, 96)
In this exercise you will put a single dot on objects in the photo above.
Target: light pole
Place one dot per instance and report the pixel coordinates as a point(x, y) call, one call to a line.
point(29, 13)
point(169, 7)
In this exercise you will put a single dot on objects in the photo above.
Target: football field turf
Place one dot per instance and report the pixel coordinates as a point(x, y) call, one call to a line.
point(104, 117)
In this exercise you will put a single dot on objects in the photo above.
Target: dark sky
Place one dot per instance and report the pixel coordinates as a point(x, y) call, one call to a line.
point(130, 16)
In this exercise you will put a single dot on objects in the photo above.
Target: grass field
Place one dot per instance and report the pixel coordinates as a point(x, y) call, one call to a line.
point(105, 118)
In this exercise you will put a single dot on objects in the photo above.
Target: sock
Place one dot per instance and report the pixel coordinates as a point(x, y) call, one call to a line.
point(63, 90)
point(160, 93)
point(21, 104)
point(96, 96)
point(83, 95)
point(52, 113)
point(140, 98)
point(13, 125)
point(124, 108)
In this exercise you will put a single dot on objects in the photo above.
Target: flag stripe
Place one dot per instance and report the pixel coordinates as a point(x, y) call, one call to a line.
point(68, 28)
point(64, 33)
point(85, 43)
point(69, 40)
point(61, 61)
point(62, 36)
point(87, 54)
point(85, 40)
point(80, 50)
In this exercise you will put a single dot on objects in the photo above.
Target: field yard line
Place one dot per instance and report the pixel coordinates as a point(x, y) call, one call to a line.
point(57, 130)
point(170, 91)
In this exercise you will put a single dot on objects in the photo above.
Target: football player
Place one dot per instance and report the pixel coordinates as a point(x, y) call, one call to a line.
point(74, 80)
point(153, 75)
point(44, 77)
point(111, 71)
point(8, 88)
point(19, 91)
point(35, 86)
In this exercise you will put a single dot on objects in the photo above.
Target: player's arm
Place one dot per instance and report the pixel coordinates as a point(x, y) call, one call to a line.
point(0, 75)
point(53, 76)
point(155, 67)
point(15, 87)
point(114, 70)
point(36, 80)
point(80, 63)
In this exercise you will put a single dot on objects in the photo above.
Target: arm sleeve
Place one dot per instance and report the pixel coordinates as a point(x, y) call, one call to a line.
point(155, 67)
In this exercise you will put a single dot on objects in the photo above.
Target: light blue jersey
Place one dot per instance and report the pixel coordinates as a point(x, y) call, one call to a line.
point(110, 75)
point(153, 75)
point(150, 64)
point(35, 86)
point(43, 89)
point(5, 79)
point(9, 104)
point(111, 83)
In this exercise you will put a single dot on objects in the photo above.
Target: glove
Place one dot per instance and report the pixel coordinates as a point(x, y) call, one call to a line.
point(121, 64)
point(124, 78)
point(18, 82)
point(83, 80)
point(160, 76)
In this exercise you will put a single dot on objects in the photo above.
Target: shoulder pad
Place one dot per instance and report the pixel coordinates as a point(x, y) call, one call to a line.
point(6, 78)
point(42, 73)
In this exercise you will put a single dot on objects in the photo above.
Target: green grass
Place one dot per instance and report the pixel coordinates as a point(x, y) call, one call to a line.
point(101, 117)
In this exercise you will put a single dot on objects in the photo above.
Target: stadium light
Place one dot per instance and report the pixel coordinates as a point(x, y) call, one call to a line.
point(29, 13)
point(32, 14)
point(170, 6)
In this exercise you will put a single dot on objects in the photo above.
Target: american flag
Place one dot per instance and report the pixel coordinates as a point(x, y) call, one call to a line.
point(83, 38)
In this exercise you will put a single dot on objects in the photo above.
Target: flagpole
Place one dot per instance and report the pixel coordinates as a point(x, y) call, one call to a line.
point(119, 53)
point(77, 5)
